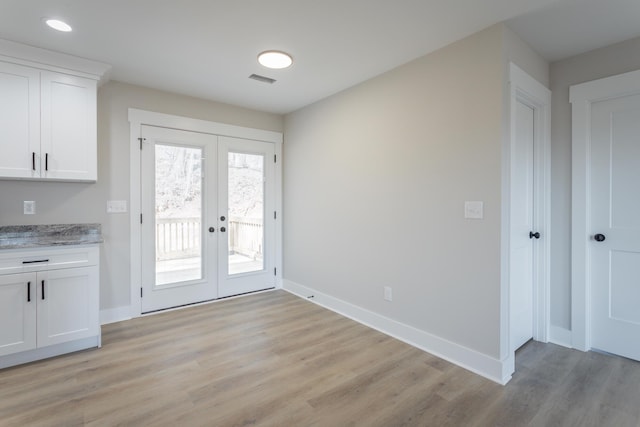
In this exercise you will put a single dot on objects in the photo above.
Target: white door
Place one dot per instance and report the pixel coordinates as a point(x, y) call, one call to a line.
point(179, 227)
point(522, 231)
point(68, 148)
point(67, 305)
point(246, 216)
point(615, 226)
point(17, 313)
point(19, 121)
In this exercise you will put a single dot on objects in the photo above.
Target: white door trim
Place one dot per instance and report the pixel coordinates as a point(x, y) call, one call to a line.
point(525, 89)
point(581, 97)
point(137, 118)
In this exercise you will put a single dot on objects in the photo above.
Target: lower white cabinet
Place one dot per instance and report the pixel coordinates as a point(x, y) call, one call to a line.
point(43, 311)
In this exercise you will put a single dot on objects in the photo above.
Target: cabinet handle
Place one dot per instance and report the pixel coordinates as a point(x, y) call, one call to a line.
point(43, 289)
point(28, 291)
point(33, 262)
point(46, 161)
point(33, 160)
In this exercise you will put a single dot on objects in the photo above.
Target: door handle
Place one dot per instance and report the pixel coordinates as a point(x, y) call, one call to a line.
point(534, 235)
point(599, 237)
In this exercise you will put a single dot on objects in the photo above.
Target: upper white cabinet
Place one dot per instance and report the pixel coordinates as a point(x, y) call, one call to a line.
point(48, 125)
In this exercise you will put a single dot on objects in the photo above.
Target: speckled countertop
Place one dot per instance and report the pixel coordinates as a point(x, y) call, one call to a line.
point(35, 236)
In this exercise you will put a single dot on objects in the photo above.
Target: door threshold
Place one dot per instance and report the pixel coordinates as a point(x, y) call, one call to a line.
point(211, 301)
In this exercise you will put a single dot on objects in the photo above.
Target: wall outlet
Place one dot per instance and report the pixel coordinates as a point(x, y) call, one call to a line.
point(474, 210)
point(29, 207)
point(388, 295)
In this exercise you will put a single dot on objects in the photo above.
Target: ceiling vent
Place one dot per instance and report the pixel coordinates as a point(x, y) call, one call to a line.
point(262, 79)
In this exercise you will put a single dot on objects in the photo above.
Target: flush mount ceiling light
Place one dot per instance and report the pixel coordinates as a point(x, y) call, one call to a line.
point(59, 25)
point(275, 59)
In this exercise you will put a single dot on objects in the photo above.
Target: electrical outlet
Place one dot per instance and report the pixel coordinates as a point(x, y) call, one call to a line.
point(29, 207)
point(388, 293)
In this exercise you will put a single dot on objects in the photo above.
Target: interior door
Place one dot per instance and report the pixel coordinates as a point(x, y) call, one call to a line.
point(615, 224)
point(522, 225)
point(246, 216)
point(179, 230)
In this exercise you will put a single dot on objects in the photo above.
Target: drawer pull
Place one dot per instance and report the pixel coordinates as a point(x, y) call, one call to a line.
point(36, 261)
point(43, 289)
point(28, 291)
point(33, 160)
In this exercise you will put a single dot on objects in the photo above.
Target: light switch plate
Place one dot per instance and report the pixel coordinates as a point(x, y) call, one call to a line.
point(116, 206)
point(474, 210)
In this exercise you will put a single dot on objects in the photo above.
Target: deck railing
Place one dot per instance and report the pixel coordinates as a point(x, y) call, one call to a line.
point(178, 238)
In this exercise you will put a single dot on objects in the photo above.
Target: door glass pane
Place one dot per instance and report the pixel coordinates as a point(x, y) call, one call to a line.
point(246, 212)
point(178, 214)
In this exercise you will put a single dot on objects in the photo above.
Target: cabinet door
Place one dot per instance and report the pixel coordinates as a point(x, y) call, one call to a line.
point(19, 121)
point(67, 305)
point(17, 313)
point(69, 141)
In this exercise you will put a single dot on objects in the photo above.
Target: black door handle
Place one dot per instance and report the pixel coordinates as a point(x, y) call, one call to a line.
point(599, 237)
point(532, 235)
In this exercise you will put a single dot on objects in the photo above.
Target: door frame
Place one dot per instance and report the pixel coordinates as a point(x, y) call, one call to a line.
point(525, 89)
point(137, 118)
point(581, 96)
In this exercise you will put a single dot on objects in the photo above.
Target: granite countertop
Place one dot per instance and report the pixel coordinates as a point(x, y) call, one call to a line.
point(35, 236)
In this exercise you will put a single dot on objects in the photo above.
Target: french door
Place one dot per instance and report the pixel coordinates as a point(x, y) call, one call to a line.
point(204, 203)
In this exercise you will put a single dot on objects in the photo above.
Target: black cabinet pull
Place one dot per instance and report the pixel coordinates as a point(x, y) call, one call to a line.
point(43, 289)
point(222, 229)
point(211, 229)
point(599, 237)
point(33, 160)
point(28, 291)
point(534, 235)
point(33, 262)
point(46, 161)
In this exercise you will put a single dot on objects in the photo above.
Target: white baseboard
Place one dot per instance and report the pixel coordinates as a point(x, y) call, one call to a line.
point(113, 315)
point(560, 336)
point(496, 370)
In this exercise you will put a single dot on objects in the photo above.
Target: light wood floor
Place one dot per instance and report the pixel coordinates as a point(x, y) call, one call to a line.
point(273, 359)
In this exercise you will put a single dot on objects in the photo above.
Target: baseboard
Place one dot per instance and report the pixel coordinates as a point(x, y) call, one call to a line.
point(560, 336)
point(113, 315)
point(49, 351)
point(496, 370)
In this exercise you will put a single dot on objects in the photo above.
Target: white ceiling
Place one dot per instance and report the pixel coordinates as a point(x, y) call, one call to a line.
point(208, 48)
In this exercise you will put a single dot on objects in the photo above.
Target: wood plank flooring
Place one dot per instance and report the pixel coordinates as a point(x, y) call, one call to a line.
point(273, 359)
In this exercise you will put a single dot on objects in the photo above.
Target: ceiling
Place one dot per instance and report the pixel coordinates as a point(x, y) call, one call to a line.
point(208, 48)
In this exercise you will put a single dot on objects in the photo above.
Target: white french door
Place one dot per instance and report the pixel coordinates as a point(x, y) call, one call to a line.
point(205, 229)
point(246, 197)
point(179, 254)
point(615, 226)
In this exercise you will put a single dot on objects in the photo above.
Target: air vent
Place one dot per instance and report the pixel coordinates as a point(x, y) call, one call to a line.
point(262, 79)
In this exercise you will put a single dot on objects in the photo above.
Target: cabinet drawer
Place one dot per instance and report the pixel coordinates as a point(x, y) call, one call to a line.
point(51, 258)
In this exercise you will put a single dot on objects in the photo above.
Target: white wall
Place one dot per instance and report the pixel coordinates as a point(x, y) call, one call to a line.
point(615, 59)
point(82, 203)
point(375, 183)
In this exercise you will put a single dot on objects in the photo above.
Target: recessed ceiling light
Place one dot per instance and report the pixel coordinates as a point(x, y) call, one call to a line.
point(275, 59)
point(59, 25)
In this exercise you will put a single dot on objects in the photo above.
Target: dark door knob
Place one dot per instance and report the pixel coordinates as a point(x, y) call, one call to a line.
point(599, 237)
point(211, 229)
point(222, 229)
point(222, 218)
point(534, 235)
